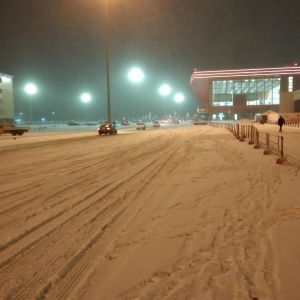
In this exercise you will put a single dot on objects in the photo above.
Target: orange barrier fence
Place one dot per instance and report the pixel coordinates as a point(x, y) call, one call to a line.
point(271, 143)
point(292, 124)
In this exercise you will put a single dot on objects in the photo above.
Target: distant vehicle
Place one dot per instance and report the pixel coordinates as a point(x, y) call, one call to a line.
point(140, 126)
point(107, 129)
point(90, 123)
point(7, 127)
point(73, 123)
point(156, 124)
point(125, 123)
point(200, 122)
point(202, 116)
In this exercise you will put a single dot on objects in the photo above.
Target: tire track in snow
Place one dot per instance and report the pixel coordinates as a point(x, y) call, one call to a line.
point(48, 237)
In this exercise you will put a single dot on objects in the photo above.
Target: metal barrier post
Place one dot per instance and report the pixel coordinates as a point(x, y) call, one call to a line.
point(242, 133)
point(268, 150)
point(248, 131)
point(251, 142)
point(281, 159)
point(237, 131)
point(257, 146)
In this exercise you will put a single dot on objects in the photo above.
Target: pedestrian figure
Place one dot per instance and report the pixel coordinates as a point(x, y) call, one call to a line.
point(280, 122)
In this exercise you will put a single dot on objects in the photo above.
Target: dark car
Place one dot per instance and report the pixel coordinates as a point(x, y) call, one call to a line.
point(140, 125)
point(90, 123)
point(73, 123)
point(107, 129)
point(125, 123)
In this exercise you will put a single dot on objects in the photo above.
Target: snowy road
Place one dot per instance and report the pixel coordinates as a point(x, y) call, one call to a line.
point(180, 212)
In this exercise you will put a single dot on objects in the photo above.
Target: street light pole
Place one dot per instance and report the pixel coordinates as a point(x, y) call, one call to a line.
point(179, 98)
point(165, 90)
point(30, 108)
point(30, 90)
point(53, 113)
point(107, 65)
point(136, 75)
point(85, 97)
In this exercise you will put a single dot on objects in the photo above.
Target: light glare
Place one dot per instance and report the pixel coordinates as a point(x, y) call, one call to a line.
point(30, 89)
point(85, 97)
point(165, 90)
point(178, 97)
point(136, 75)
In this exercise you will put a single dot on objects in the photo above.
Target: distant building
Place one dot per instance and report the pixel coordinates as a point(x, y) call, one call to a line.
point(244, 93)
point(6, 98)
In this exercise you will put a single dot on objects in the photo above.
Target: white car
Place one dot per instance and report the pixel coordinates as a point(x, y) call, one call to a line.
point(140, 125)
point(156, 124)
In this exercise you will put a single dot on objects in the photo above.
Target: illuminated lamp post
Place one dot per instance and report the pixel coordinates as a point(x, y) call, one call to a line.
point(179, 98)
point(86, 98)
point(136, 75)
point(54, 118)
point(30, 89)
point(165, 90)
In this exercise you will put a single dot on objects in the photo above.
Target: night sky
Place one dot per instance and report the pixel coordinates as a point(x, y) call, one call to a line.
point(59, 45)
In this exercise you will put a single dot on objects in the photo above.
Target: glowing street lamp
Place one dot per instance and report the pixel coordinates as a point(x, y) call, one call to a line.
point(179, 98)
point(30, 89)
point(86, 98)
point(54, 118)
point(136, 75)
point(165, 90)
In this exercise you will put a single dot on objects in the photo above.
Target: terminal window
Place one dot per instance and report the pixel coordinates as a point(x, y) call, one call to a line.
point(291, 84)
point(245, 91)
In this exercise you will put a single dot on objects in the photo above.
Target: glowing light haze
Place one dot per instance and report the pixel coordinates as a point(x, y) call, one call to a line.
point(136, 75)
point(30, 89)
point(165, 90)
point(178, 97)
point(85, 97)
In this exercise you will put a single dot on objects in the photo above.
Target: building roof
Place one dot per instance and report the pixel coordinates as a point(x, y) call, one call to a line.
point(245, 73)
point(2, 74)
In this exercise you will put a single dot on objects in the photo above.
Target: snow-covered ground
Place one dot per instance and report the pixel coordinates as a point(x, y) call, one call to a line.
point(177, 212)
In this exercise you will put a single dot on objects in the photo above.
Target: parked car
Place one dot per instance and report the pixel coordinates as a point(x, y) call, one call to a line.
point(140, 125)
point(90, 123)
point(107, 129)
point(73, 123)
point(125, 123)
point(156, 124)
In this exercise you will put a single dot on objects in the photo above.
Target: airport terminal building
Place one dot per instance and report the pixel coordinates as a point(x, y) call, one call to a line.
point(244, 93)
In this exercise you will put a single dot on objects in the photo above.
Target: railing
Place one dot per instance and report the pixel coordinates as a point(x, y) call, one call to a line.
point(292, 124)
point(271, 143)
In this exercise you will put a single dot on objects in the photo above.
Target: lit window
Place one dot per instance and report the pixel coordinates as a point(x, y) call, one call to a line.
point(290, 84)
